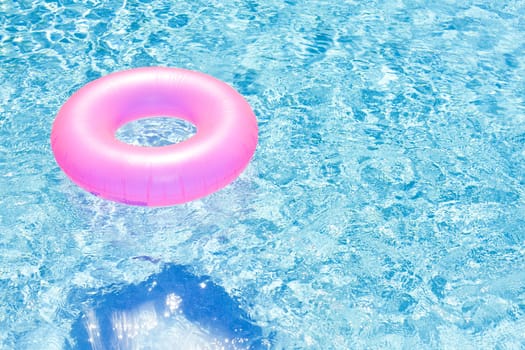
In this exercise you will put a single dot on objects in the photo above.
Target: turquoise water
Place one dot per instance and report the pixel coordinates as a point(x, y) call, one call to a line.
point(384, 207)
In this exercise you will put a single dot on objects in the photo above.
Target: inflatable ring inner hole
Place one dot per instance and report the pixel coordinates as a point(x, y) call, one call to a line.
point(156, 131)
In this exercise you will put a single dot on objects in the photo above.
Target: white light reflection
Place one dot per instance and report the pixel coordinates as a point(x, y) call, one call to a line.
point(127, 325)
point(172, 304)
point(142, 328)
point(93, 330)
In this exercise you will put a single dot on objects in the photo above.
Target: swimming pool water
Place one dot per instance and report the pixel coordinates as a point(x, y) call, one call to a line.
point(384, 207)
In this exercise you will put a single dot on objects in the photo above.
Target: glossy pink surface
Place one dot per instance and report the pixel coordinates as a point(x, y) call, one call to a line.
point(84, 144)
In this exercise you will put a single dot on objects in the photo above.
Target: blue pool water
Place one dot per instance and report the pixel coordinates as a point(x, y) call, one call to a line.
point(384, 208)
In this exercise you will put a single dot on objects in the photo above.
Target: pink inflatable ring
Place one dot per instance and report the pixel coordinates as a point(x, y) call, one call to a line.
point(85, 147)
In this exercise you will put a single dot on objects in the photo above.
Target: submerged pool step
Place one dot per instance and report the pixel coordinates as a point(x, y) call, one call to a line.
point(173, 309)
